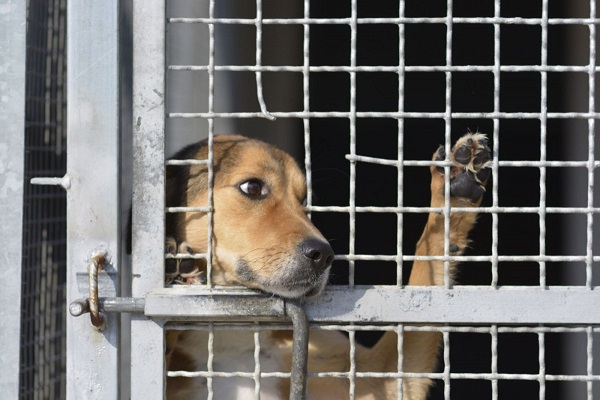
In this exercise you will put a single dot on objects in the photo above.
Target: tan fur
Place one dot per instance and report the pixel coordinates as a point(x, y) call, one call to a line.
point(271, 229)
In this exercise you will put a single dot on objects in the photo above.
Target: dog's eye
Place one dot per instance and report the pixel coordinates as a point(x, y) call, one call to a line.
point(254, 188)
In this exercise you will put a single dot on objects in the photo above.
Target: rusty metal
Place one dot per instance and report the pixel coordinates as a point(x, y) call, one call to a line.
point(96, 263)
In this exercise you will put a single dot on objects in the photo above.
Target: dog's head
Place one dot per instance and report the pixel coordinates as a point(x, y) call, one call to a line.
point(262, 237)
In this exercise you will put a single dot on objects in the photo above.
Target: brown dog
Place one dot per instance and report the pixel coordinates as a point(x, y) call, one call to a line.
point(264, 240)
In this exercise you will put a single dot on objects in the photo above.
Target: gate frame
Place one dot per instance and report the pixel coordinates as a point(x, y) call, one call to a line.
point(92, 180)
point(12, 151)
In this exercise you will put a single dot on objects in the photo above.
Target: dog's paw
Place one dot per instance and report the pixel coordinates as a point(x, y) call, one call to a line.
point(171, 269)
point(471, 159)
point(181, 270)
point(189, 271)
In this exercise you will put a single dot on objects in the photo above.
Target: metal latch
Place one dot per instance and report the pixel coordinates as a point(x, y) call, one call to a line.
point(203, 304)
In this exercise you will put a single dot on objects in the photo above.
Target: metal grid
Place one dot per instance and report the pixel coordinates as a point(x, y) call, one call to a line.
point(496, 306)
point(43, 348)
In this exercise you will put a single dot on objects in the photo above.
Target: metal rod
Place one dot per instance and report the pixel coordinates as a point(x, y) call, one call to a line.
point(65, 181)
point(300, 349)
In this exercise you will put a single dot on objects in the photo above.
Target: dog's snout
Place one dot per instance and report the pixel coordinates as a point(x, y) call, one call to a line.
point(318, 252)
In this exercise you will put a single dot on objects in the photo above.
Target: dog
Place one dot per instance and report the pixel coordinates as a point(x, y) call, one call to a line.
point(263, 239)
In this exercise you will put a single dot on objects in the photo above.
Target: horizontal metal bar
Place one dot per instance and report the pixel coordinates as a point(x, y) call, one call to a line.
point(489, 258)
point(181, 256)
point(388, 327)
point(202, 303)
point(383, 68)
point(487, 210)
point(108, 304)
point(186, 162)
point(463, 306)
point(387, 375)
point(122, 304)
point(428, 163)
point(458, 375)
point(396, 20)
point(187, 209)
point(378, 304)
point(393, 114)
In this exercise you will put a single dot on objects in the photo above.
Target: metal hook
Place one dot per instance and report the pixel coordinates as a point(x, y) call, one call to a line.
point(96, 263)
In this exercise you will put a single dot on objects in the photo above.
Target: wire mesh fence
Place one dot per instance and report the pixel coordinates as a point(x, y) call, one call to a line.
point(370, 90)
point(43, 312)
point(377, 88)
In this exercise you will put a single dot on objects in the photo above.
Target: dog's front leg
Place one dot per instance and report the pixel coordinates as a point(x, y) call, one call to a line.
point(471, 158)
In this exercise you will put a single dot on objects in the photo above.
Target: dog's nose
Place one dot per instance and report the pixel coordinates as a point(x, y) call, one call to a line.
point(318, 252)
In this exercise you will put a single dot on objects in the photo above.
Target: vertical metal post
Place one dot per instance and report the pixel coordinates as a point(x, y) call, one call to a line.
point(147, 345)
point(12, 118)
point(92, 200)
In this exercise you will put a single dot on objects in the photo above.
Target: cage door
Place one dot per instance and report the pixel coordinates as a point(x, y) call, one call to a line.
point(93, 202)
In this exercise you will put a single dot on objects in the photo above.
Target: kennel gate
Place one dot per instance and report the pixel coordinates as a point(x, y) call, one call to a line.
point(93, 203)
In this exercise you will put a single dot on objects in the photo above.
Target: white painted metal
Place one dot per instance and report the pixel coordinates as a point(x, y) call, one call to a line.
point(148, 233)
point(370, 304)
point(12, 140)
point(93, 202)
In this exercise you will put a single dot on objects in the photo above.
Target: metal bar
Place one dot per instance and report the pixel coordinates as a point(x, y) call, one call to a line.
point(390, 114)
point(460, 305)
point(382, 68)
point(13, 27)
point(543, 141)
point(108, 304)
point(591, 148)
point(503, 163)
point(211, 137)
point(447, 148)
point(205, 304)
point(400, 153)
point(258, 59)
point(306, 106)
point(352, 133)
point(147, 336)
point(393, 327)
point(495, 151)
point(93, 204)
point(299, 351)
point(507, 305)
point(400, 20)
point(427, 210)
point(503, 305)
